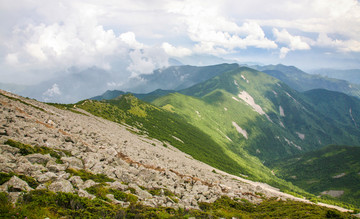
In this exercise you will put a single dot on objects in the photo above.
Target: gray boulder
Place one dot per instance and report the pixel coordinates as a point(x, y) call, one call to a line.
point(15, 184)
point(61, 186)
point(73, 162)
point(38, 158)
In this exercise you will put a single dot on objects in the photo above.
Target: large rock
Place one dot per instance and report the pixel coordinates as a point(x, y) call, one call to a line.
point(61, 186)
point(76, 181)
point(83, 193)
point(38, 158)
point(15, 184)
point(118, 186)
point(87, 184)
point(52, 166)
point(8, 149)
point(142, 194)
point(73, 162)
point(46, 177)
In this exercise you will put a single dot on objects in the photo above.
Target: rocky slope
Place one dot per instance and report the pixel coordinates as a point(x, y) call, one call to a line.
point(136, 164)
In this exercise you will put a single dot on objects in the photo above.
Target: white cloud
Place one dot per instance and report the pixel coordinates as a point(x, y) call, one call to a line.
point(283, 52)
point(129, 39)
point(40, 37)
point(216, 34)
point(292, 42)
point(53, 91)
point(324, 40)
point(12, 59)
point(146, 60)
point(175, 51)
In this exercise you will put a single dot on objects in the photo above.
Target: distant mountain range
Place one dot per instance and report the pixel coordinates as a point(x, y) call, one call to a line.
point(76, 85)
point(352, 75)
point(302, 81)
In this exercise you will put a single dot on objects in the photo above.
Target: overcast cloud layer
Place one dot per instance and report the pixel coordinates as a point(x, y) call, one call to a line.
point(40, 38)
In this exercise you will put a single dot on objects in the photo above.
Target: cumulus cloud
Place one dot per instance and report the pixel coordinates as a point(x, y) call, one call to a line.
point(175, 51)
point(51, 92)
point(146, 60)
point(216, 34)
point(292, 42)
point(130, 39)
point(41, 37)
point(325, 41)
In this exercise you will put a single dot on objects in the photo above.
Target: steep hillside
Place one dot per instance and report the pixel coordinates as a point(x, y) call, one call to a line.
point(57, 163)
point(302, 81)
point(164, 126)
point(242, 109)
point(338, 106)
point(333, 171)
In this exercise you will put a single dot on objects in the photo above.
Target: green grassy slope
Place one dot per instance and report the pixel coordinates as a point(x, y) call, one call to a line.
point(341, 107)
point(169, 127)
point(291, 124)
point(330, 168)
point(164, 126)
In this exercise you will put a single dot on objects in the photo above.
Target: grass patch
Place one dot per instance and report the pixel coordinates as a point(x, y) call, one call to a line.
point(44, 203)
point(4, 177)
point(26, 149)
point(85, 175)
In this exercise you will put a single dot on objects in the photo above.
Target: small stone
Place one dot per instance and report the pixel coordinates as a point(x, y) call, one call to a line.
point(84, 193)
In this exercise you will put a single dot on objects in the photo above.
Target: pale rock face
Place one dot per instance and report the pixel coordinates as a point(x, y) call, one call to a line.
point(46, 177)
point(84, 193)
point(119, 186)
point(15, 184)
point(87, 184)
point(38, 158)
point(73, 162)
point(61, 186)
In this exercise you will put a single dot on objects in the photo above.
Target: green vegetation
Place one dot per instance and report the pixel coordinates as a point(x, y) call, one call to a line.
point(164, 126)
point(214, 105)
point(100, 191)
point(26, 149)
point(4, 177)
point(44, 203)
point(85, 175)
point(330, 168)
point(202, 124)
point(69, 107)
point(23, 102)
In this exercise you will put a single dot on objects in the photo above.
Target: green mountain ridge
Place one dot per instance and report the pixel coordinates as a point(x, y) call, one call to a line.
point(283, 118)
point(239, 121)
point(333, 170)
point(301, 81)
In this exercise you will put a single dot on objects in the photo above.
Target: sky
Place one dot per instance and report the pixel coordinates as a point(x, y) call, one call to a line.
point(40, 39)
